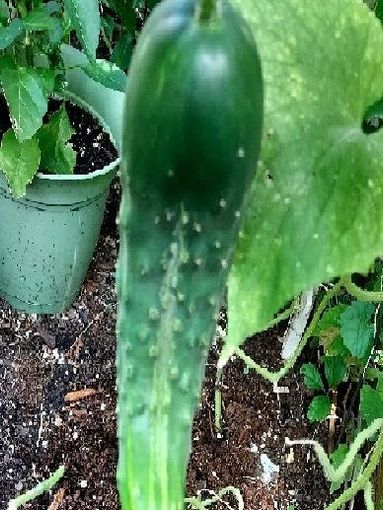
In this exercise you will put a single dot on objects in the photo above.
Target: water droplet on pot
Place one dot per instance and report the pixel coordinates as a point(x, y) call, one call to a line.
point(129, 371)
point(198, 262)
point(185, 218)
point(154, 314)
point(153, 351)
point(177, 325)
point(241, 152)
point(174, 372)
point(212, 300)
point(143, 334)
point(184, 382)
point(144, 270)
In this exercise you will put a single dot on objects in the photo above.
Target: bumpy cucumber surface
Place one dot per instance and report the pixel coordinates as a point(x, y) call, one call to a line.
point(192, 132)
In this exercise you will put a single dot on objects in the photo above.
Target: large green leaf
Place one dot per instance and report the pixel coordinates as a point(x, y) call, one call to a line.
point(26, 91)
point(10, 33)
point(56, 155)
point(317, 207)
point(19, 161)
point(85, 18)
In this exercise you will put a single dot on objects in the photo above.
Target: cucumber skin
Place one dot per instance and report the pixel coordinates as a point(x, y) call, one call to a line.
point(192, 129)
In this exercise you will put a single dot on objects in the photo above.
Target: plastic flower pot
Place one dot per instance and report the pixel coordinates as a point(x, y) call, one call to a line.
point(48, 237)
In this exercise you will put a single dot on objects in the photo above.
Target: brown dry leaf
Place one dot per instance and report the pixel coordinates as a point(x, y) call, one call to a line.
point(75, 396)
point(57, 500)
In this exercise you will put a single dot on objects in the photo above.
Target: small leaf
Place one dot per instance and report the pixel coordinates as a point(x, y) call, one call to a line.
point(357, 329)
point(10, 33)
point(379, 9)
point(19, 161)
point(107, 74)
point(107, 23)
point(337, 348)
point(330, 319)
point(26, 91)
point(85, 18)
point(4, 11)
point(122, 52)
point(335, 370)
point(372, 373)
point(312, 377)
point(328, 331)
point(371, 404)
point(52, 7)
point(319, 408)
point(39, 19)
point(56, 155)
point(126, 12)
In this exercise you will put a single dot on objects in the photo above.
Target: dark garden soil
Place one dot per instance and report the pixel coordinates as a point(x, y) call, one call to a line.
point(92, 144)
point(57, 405)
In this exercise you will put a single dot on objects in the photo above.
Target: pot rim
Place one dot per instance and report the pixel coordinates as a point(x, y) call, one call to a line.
point(91, 175)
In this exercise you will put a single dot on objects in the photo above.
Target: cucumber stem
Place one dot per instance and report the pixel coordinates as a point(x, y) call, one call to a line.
point(206, 10)
point(361, 294)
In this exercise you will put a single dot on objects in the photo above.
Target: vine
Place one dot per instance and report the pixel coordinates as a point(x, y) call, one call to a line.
point(275, 377)
point(361, 294)
point(44, 486)
point(338, 475)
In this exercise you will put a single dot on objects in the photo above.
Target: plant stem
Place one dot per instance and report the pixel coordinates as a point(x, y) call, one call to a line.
point(206, 10)
point(361, 294)
point(42, 487)
point(283, 315)
point(363, 478)
point(274, 377)
point(218, 401)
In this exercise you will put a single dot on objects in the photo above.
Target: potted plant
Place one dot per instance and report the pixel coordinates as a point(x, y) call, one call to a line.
point(51, 209)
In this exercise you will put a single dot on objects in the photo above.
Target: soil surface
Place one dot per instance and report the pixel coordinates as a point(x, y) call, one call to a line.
point(91, 143)
point(93, 146)
point(57, 405)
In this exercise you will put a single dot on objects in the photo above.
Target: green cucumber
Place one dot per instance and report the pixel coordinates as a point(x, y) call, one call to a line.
point(192, 130)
